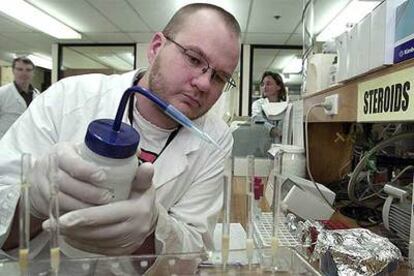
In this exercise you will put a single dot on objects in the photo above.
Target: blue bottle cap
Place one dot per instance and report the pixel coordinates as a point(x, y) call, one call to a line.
point(103, 140)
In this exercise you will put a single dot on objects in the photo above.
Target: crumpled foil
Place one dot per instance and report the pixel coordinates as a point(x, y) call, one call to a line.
point(306, 233)
point(356, 252)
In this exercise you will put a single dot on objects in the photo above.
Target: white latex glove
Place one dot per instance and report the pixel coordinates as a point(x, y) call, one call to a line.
point(118, 228)
point(76, 179)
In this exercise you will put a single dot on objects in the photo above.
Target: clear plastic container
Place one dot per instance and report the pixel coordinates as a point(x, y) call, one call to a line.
point(293, 160)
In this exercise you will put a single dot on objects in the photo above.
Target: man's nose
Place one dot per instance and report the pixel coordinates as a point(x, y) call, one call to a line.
point(204, 79)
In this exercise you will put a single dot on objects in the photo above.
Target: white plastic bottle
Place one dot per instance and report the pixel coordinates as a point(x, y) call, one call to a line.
point(115, 152)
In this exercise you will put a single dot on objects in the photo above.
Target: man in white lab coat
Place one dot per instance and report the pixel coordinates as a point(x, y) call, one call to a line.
point(174, 202)
point(15, 97)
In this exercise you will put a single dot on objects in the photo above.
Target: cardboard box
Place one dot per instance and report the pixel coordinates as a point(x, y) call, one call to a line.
point(383, 22)
point(404, 31)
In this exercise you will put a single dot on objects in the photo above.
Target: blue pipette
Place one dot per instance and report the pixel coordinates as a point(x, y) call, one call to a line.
point(167, 108)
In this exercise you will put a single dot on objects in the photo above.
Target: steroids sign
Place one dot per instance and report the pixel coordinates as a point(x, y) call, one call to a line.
point(387, 98)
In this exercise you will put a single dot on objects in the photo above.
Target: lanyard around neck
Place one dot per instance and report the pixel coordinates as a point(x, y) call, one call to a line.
point(131, 120)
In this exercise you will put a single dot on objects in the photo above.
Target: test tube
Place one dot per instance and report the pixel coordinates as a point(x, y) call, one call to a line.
point(250, 209)
point(276, 205)
point(225, 235)
point(24, 214)
point(54, 215)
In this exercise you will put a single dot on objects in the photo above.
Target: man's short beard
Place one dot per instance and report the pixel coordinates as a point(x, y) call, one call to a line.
point(155, 80)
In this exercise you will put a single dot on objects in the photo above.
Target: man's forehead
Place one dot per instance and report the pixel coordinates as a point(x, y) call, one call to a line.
point(20, 64)
point(204, 41)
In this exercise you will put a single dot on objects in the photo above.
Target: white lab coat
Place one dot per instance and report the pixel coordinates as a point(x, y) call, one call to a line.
point(12, 105)
point(257, 109)
point(188, 174)
point(259, 116)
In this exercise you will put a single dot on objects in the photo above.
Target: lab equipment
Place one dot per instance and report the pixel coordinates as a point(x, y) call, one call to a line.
point(111, 145)
point(118, 228)
point(24, 214)
point(225, 236)
point(250, 208)
point(278, 168)
point(54, 215)
point(294, 161)
point(201, 263)
point(396, 215)
point(167, 108)
point(258, 194)
point(120, 170)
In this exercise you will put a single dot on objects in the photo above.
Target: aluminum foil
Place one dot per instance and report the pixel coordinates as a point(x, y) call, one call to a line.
point(306, 233)
point(356, 252)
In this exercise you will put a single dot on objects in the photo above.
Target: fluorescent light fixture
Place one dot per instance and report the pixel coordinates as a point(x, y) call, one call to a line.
point(41, 60)
point(351, 14)
point(116, 62)
point(128, 57)
point(293, 67)
point(38, 19)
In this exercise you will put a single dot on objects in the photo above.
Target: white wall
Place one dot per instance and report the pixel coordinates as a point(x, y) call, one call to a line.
point(141, 60)
point(246, 76)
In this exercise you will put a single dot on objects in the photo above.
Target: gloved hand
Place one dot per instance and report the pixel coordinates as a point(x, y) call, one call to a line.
point(75, 177)
point(275, 132)
point(118, 228)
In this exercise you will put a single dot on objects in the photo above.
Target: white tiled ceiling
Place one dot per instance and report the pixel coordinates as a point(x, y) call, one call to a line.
point(130, 21)
point(127, 21)
point(262, 16)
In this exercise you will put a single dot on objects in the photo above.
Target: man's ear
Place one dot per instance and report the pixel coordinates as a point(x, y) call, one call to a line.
point(154, 47)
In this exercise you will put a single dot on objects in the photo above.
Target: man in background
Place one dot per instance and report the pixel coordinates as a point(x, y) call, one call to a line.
point(15, 97)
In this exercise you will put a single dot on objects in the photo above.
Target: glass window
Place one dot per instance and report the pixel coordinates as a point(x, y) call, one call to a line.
point(75, 59)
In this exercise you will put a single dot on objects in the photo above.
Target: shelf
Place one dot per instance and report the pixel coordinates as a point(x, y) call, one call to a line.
point(348, 93)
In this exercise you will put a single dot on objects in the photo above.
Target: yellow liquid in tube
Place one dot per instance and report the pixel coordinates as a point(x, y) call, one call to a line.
point(225, 244)
point(24, 259)
point(275, 244)
point(55, 258)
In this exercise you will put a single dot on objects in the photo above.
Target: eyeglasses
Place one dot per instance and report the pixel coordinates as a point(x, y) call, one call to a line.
point(19, 69)
point(198, 62)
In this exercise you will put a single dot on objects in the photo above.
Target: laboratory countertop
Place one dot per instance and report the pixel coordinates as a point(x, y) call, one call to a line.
point(239, 214)
point(196, 263)
point(239, 208)
point(205, 264)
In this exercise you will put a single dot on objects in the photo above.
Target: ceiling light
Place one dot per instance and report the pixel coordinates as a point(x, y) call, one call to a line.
point(116, 62)
point(351, 14)
point(294, 66)
point(41, 60)
point(38, 19)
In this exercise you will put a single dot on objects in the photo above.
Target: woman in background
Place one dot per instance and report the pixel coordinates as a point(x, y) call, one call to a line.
point(273, 90)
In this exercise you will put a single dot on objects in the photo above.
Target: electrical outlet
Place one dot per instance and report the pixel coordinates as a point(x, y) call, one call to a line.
point(332, 100)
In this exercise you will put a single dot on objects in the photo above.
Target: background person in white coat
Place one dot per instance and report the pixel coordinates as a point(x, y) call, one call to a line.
point(273, 90)
point(174, 202)
point(15, 97)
